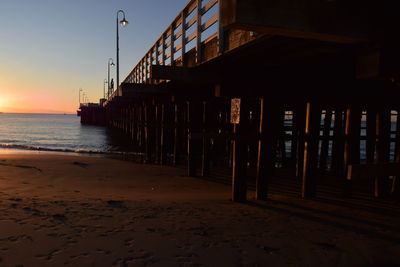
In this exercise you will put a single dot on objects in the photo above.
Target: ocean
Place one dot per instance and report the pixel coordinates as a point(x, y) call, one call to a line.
point(58, 133)
point(65, 133)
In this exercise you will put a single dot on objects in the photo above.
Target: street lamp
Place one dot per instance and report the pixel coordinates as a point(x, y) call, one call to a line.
point(110, 63)
point(104, 88)
point(80, 90)
point(123, 22)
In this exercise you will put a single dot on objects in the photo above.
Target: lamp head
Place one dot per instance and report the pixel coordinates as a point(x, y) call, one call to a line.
point(124, 22)
point(112, 64)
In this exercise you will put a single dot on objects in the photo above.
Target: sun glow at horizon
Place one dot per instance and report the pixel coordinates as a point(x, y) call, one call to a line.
point(3, 102)
point(36, 101)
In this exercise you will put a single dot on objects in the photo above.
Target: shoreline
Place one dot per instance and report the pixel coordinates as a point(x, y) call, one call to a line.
point(97, 211)
point(106, 154)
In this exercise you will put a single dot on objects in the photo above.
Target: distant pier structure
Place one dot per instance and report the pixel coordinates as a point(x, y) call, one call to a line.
point(253, 88)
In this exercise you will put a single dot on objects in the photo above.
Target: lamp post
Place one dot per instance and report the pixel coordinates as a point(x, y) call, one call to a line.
point(123, 22)
point(104, 88)
point(80, 90)
point(110, 63)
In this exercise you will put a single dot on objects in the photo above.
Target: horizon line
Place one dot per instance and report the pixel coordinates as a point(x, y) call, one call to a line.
point(44, 113)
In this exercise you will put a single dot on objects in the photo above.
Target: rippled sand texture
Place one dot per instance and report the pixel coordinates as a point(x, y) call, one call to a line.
point(83, 211)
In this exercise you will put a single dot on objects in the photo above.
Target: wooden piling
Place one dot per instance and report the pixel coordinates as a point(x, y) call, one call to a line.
point(281, 144)
point(352, 142)
point(395, 188)
point(309, 182)
point(337, 165)
point(382, 149)
point(152, 131)
point(300, 125)
point(371, 135)
point(163, 132)
point(176, 134)
point(239, 164)
point(294, 140)
point(268, 132)
point(205, 160)
point(141, 129)
point(194, 122)
point(323, 159)
point(157, 132)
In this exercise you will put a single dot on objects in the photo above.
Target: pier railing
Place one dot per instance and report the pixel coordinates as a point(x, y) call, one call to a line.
point(188, 33)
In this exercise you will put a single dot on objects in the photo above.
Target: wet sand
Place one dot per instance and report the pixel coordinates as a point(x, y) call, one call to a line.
point(58, 210)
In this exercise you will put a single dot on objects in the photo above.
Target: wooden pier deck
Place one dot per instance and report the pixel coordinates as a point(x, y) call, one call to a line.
point(254, 88)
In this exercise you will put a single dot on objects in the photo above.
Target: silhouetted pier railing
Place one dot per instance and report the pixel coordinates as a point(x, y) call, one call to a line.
point(187, 41)
point(188, 33)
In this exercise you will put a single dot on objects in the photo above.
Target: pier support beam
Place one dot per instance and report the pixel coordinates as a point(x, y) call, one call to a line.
point(163, 133)
point(269, 128)
point(338, 143)
point(299, 120)
point(205, 154)
point(309, 182)
point(395, 189)
point(352, 142)
point(175, 148)
point(371, 135)
point(382, 149)
point(239, 152)
point(323, 160)
point(194, 116)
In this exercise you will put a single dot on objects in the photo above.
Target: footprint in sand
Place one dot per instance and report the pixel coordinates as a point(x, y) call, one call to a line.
point(60, 217)
point(327, 246)
point(85, 254)
point(49, 256)
point(129, 242)
point(116, 204)
point(15, 199)
point(32, 211)
point(144, 258)
point(21, 166)
point(28, 167)
point(270, 250)
point(103, 251)
point(186, 259)
point(81, 164)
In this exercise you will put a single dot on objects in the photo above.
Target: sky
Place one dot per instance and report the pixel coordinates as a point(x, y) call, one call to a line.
point(51, 48)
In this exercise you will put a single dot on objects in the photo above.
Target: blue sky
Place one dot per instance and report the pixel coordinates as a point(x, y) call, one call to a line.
point(51, 48)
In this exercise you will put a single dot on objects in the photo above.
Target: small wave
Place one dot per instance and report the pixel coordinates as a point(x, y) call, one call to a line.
point(66, 150)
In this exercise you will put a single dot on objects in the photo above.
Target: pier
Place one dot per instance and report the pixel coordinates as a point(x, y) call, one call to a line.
point(252, 89)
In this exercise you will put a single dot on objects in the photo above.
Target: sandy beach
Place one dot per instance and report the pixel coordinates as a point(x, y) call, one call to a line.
point(58, 210)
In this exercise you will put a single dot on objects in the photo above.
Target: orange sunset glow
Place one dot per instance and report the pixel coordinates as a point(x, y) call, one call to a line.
point(38, 101)
point(34, 94)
